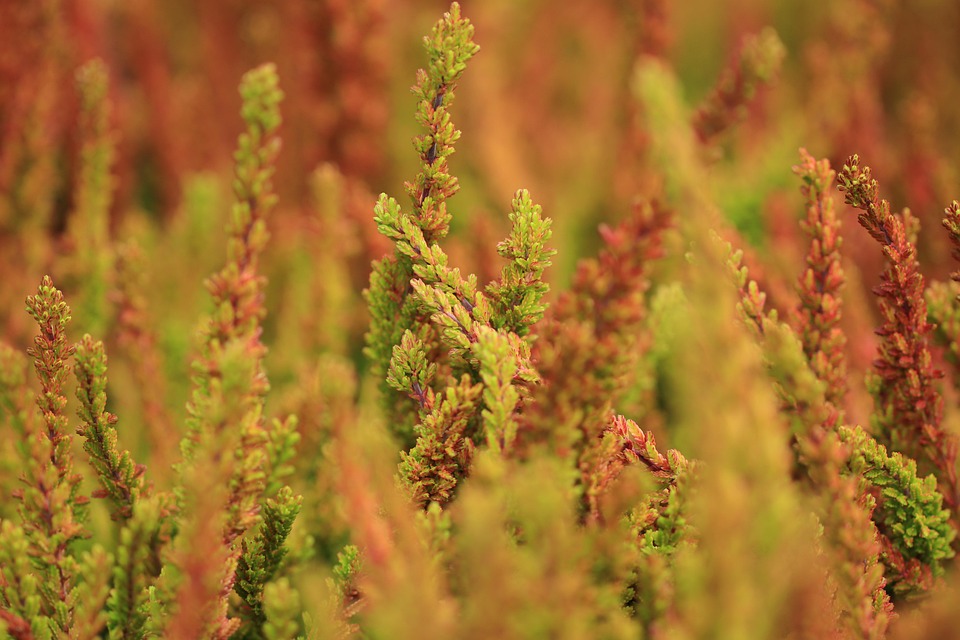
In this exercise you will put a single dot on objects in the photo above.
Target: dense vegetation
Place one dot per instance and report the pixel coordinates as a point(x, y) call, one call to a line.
point(390, 423)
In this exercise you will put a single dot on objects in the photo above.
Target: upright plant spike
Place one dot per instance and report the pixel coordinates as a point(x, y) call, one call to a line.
point(121, 479)
point(237, 290)
point(392, 311)
point(908, 406)
point(942, 298)
point(51, 508)
point(951, 222)
point(449, 47)
point(658, 523)
point(262, 555)
point(821, 283)
point(226, 447)
point(517, 295)
point(498, 368)
point(444, 449)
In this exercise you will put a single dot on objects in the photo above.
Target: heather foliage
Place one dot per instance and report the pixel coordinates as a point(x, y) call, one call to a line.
point(417, 418)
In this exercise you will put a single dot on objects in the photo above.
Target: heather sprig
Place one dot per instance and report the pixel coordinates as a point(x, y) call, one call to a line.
point(410, 370)
point(51, 508)
point(51, 352)
point(454, 303)
point(444, 449)
point(120, 477)
point(908, 409)
point(517, 296)
point(237, 292)
point(638, 446)
point(194, 589)
point(909, 512)
point(951, 222)
point(846, 511)
point(343, 586)
point(392, 311)
point(457, 320)
point(347, 567)
point(430, 262)
point(753, 302)
point(281, 448)
point(446, 430)
point(659, 523)
point(227, 442)
point(942, 298)
point(449, 47)
point(757, 64)
point(261, 558)
point(800, 391)
point(841, 498)
point(498, 369)
point(821, 283)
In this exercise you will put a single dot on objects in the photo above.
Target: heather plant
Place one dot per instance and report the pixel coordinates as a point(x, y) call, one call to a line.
point(485, 457)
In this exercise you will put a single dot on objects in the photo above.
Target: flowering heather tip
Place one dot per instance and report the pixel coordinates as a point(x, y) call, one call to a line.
point(121, 479)
point(51, 508)
point(498, 370)
point(444, 450)
point(517, 296)
point(908, 404)
point(51, 353)
point(396, 299)
point(410, 371)
point(449, 47)
point(862, 192)
point(951, 222)
point(821, 283)
point(227, 445)
point(639, 446)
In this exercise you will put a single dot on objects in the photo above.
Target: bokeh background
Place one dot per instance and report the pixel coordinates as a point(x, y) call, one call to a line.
point(546, 105)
